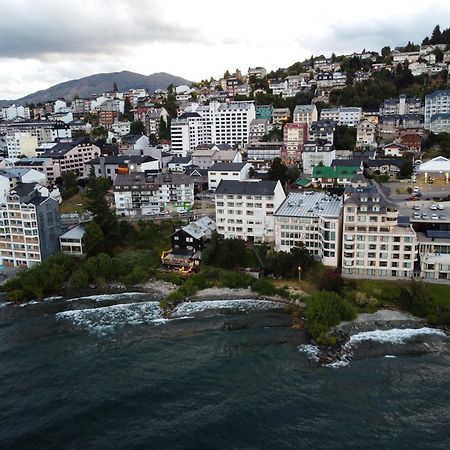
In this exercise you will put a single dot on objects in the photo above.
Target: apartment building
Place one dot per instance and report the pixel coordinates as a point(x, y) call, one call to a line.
point(206, 155)
point(43, 165)
point(315, 154)
point(401, 106)
point(436, 103)
point(322, 130)
point(227, 171)
point(280, 115)
point(187, 132)
point(245, 209)
point(295, 135)
point(349, 116)
point(439, 123)
point(264, 151)
point(264, 112)
point(71, 156)
point(71, 242)
point(305, 114)
point(366, 134)
point(312, 219)
point(30, 226)
point(46, 131)
point(140, 194)
point(374, 243)
point(258, 129)
point(21, 144)
point(134, 144)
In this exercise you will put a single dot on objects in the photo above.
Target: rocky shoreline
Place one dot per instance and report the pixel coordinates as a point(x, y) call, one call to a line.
point(381, 320)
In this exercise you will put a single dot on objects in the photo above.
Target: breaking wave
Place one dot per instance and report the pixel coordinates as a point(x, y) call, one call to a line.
point(396, 336)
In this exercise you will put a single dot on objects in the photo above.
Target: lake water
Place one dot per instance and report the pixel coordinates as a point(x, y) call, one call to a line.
point(108, 372)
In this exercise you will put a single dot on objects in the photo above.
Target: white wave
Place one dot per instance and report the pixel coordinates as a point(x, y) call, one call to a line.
point(189, 308)
point(393, 336)
point(311, 351)
point(396, 336)
point(107, 318)
point(106, 297)
point(5, 304)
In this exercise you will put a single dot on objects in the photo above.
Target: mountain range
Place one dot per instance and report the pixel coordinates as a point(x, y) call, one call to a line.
point(99, 83)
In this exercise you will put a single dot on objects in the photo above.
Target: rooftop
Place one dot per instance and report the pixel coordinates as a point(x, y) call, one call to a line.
point(226, 167)
point(266, 187)
point(310, 204)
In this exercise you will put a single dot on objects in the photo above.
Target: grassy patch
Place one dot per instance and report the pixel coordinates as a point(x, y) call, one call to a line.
point(73, 205)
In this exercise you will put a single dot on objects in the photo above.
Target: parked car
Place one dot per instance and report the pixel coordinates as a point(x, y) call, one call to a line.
point(416, 216)
point(416, 207)
point(442, 217)
point(440, 206)
point(424, 216)
point(416, 190)
point(434, 216)
point(433, 207)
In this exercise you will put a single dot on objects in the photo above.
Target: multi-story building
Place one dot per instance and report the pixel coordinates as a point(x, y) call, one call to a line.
point(258, 129)
point(401, 106)
point(140, 194)
point(107, 118)
point(134, 144)
point(312, 219)
point(71, 156)
point(374, 243)
point(436, 103)
point(258, 72)
point(71, 242)
point(30, 226)
point(315, 154)
point(322, 130)
point(366, 134)
point(245, 209)
point(46, 131)
point(350, 116)
point(264, 151)
point(295, 136)
point(264, 112)
point(227, 171)
point(280, 115)
point(206, 155)
point(43, 165)
point(21, 144)
point(305, 113)
point(439, 123)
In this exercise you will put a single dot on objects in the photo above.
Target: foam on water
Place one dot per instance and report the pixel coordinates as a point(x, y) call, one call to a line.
point(106, 297)
point(107, 318)
point(189, 308)
point(396, 336)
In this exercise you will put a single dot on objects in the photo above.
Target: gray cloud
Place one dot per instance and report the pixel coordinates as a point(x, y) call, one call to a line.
point(375, 33)
point(32, 29)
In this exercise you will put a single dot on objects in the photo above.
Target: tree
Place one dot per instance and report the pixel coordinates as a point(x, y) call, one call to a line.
point(226, 75)
point(79, 279)
point(127, 109)
point(439, 54)
point(386, 51)
point(344, 138)
point(153, 140)
point(137, 127)
point(93, 238)
point(278, 171)
point(115, 89)
point(163, 129)
point(436, 35)
point(407, 168)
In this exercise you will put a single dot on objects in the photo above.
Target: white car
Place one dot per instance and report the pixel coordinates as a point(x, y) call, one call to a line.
point(433, 207)
point(440, 207)
point(416, 190)
point(416, 207)
point(434, 216)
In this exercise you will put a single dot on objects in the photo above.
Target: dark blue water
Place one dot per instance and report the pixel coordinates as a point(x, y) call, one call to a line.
point(121, 378)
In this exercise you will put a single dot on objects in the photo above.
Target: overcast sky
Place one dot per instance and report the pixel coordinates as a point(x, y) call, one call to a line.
point(44, 42)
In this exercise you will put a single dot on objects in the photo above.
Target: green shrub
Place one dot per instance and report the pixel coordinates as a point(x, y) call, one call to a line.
point(79, 279)
point(325, 310)
point(264, 286)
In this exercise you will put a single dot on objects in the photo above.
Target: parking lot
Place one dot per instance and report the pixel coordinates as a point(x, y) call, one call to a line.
point(426, 211)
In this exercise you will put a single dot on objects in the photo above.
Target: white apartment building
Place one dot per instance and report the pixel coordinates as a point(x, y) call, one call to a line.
point(440, 123)
point(14, 111)
point(350, 116)
point(435, 103)
point(305, 113)
point(227, 171)
point(264, 151)
point(219, 123)
point(401, 106)
point(374, 244)
point(315, 154)
point(46, 131)
point(21, 144)
point(245, 209)
point(138, 194)
point(312, 219)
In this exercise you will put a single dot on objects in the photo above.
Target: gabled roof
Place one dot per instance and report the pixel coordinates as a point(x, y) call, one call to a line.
point(335, 172)
point(440, 163)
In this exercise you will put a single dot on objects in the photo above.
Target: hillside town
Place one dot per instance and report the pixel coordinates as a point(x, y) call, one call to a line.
point(347, 156)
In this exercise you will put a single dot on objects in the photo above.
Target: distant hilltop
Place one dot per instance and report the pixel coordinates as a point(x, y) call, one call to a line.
point(99, 83)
